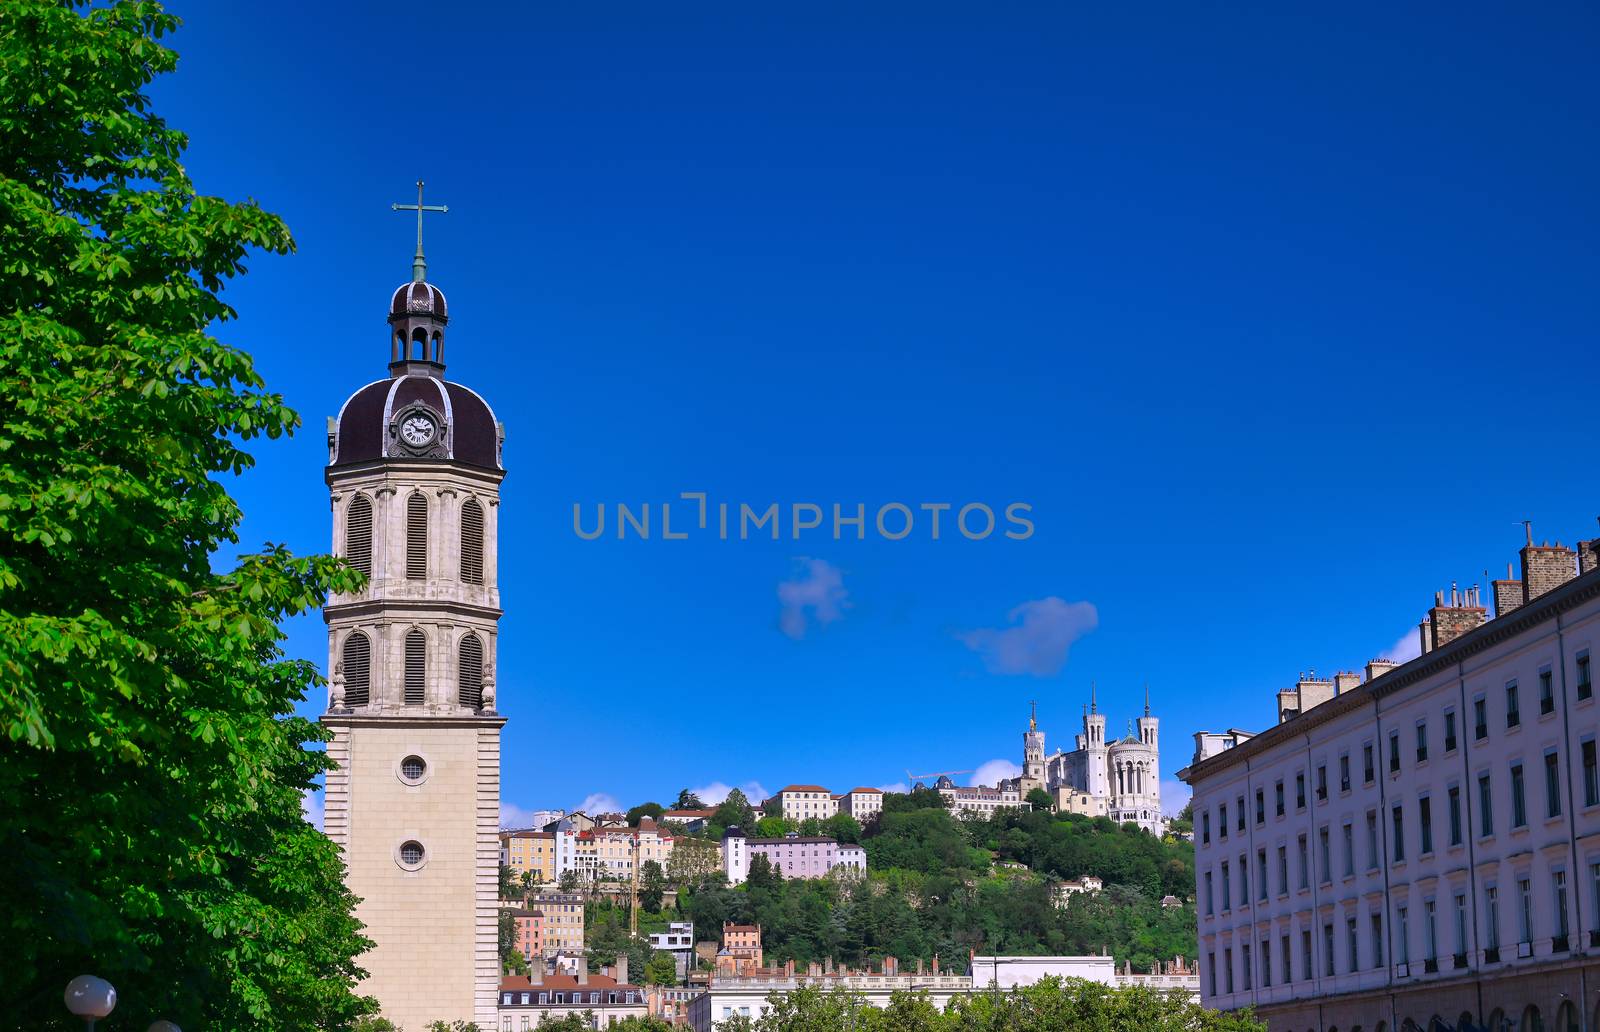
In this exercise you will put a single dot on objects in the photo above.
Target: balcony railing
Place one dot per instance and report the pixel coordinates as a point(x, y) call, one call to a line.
point(1559, 944)
point(1459, 961)
point(1491, 955)
point(1430, 966)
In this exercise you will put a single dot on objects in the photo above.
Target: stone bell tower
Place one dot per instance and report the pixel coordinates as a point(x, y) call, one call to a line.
point(414, 471)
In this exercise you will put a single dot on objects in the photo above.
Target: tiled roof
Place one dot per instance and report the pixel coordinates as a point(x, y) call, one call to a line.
point(522, 984)
point(865, 791)
point(802, 788)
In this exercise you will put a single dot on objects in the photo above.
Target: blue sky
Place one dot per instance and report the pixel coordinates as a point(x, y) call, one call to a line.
point(1279, 319)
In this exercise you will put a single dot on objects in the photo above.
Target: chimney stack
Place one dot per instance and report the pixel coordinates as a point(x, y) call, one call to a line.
point(1507, 593)
point(622, 969)
point(583, 970)
point(1344, 681)
point(536, 971)
point(1450, 618)
point(1376, 668)
point(1545, 567)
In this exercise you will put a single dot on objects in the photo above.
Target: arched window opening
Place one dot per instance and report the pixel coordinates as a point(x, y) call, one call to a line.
point(419, 344)
point(1497, 1020)
point(416, 687)
point(358, 534)
point(470, 672)
point(417, 537)
point(1566, 1017)
point(1464, 1021)
point(1531, 1021)
point(357, 660)
point(472, 542)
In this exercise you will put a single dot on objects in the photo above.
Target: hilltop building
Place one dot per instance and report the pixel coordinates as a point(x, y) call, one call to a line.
point(1119, 779)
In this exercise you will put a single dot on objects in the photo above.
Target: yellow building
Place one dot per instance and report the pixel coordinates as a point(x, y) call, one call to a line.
point(563, 920)
point(525, 851)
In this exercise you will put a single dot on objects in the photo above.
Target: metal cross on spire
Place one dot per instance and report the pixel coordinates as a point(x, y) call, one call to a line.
point(1033, 714)
point(419, 266)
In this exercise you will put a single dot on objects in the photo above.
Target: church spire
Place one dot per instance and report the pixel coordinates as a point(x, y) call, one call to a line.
point(419, 264)
point(1033, 714)
point(1091, 697)
point(1147, 698)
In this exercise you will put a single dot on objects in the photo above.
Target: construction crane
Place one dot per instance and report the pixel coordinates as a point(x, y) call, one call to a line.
point(910, 777)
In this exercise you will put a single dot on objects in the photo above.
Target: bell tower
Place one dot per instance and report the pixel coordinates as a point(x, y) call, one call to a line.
point(1032, 754)
point(414, 472)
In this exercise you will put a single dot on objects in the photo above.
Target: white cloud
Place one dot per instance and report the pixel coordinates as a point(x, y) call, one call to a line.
point(600, 802)
point(311, 807)
point(898, 786)
point(1174, 797)
point(514, 816)
point(1038, 642)
point(994, 771)
point(818, 587)
point(716, 792)
point(1409, 647)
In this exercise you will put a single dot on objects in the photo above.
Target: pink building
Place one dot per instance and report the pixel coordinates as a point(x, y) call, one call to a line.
point(795, 856)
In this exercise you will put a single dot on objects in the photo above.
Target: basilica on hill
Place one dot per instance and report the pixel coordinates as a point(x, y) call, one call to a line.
point(1119, 779)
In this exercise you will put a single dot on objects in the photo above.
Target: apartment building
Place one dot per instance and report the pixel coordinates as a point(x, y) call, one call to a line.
point(1421, 845)
point(530, 851)
point(792, 856)
point(861, 803)
point(798, 802)
point(562, 921)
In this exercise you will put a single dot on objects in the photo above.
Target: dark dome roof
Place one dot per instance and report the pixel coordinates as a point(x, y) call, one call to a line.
point(418, 299)
point(361, 432)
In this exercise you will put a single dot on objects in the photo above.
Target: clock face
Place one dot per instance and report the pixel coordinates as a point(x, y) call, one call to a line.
point(417, 430)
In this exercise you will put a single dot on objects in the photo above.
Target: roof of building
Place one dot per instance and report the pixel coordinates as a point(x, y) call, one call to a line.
point(675, 815)
point(469, 429)
point(801, 788)
point(522, 983)
point(794, 839)
point(865, 791)
point(528, 833)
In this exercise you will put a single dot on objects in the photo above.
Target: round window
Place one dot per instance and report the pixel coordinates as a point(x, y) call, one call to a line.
point(412, 768)
point(412, 854)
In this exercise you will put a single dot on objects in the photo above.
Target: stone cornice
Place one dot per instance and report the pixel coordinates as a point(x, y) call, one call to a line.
point(1574, 593)
point(396, 466)
point(411, 720)
point(401, 608)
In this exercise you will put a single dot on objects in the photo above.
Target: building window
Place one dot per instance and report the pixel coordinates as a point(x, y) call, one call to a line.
point(1399, 836)
point(1485, 806)
point(1241, 814)
point(1344, 773)
point(1244, 958)
point(1244, 879)
point(1430, 934)
point(1519, 809)
point(1449, 731)
point(1261, 808)
point(1327, 862)
point(1425, 815)
point(1300, 791)
point(1377, 939)
point(357, 662)
point(1305, 868)
point(1552, 785)
point(1278, 798)
point(1322, 783)
point(1266, 963)
point(1222, 820)
point(1461, 928)
point(1525, 911)
point(412, 854)
point(1327, 949)
point(1288, 959)
point(1351, 944)
point(412, 768)
point(1366, 763)
point(1591, 775)
point(1227, 891)
point(1422, 742)
point(358, 534)
point(1305, 952)
point(1585, 686)
point(1205, 828)
point(1261, 879)
point(1455, 815)
point(1283, 870)
point(1208, 892)
point(1560, 878)
point(1211, 970)
point(1372, 840)
point(1394, 752)
point(1480, 718)
point(416, 668)
point(1513, 711)
point(1594, 884)
point(1491, 918)
point(1349, 851)
point(1402, 945)
point(1547, 695)
point(469, 673)
point(416, 537)
point(472, 542)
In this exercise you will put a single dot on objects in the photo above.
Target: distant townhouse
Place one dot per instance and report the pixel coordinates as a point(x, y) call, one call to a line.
point(978, 800)
point(529, 926)
point(526, 1001)
point(862, 803)
point(1063, 891)
point(562, 925)
point(609, 852)
point(793, 856)
point(1420, 848)
point(530, 852)
point(678, 942)
point(693, 821)
point(741, 948)
point(800, 802)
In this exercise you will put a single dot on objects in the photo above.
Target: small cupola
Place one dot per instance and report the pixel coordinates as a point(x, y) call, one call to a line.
point(417, 312)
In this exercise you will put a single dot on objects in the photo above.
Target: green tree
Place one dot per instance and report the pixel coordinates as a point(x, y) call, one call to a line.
point(774, 827)
point(687, 800)
point(661, 970)
point(512, 962)
point(735, 810)
point(692, 860)
point(510, 884)
point(1039, 799)
point(651, 810)
point(569, 881)
point(652, 886)
point(843, 828)
point(150, 798)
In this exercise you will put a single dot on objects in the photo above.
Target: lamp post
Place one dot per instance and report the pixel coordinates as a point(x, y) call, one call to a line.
point(89, 998)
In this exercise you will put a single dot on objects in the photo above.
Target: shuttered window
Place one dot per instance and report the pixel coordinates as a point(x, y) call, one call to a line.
point(358, 534)
point(416, 668)
point(417, 537)
point(357, 670)
point(470, 677)
point(472, 542)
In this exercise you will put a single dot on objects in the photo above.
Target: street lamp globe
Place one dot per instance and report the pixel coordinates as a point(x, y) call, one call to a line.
point(163, 1026)
point(90, 997)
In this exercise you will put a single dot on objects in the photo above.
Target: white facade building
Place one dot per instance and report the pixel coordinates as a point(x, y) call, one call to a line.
point(800, 802)
point(1425, 844)
point(862, 803)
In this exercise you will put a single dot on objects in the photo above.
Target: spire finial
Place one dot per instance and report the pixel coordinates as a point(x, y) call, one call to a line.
point(1033, 713)
point(419, 265)
point(1147, 698)
point(1091, 696)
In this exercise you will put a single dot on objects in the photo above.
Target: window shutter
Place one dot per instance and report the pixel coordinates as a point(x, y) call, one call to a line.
point(416, 668)
point(358, 534)
point(357, 670)
point(417, 537)
point(472, 542)
point(470, 676)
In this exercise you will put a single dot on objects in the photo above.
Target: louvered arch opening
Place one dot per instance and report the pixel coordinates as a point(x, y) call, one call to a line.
point(357, 659)
point(472, 542)
point(358, 534)
point(417, 537)
point(416, 684)
point(470, 677)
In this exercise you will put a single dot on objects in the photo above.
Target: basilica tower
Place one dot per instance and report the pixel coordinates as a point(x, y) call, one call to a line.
point(414, 470)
